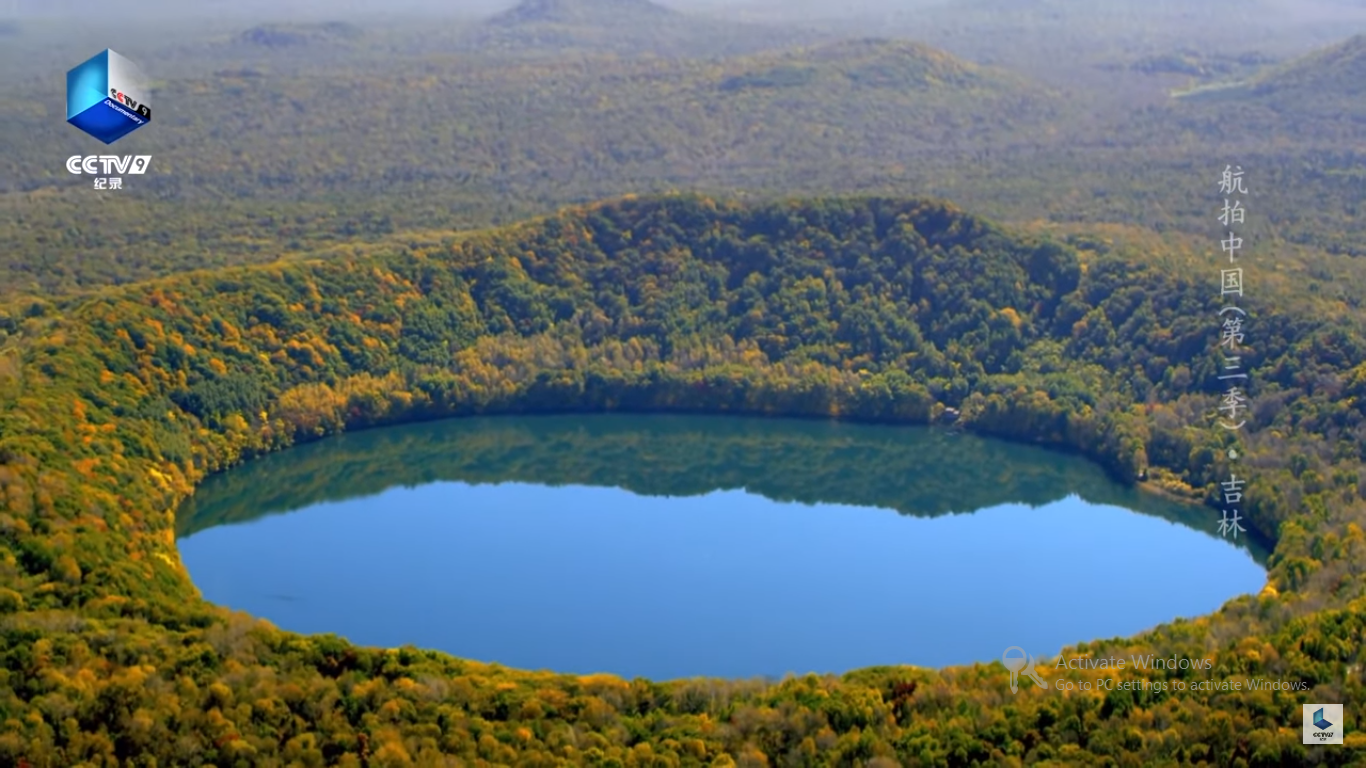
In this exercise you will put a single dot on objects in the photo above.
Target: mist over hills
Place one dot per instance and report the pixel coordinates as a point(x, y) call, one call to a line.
point(594, 12)
point(1141, 18)
point(553, 102)
point(837, 110)
point(459, 138)
point(297, 34)
point(1314, 100)
point(1338, 71)
point(631, 27)
point(1081, 45)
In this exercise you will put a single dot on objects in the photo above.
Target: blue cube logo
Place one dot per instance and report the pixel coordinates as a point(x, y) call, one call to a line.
point(107, 97)
point(1323, 724)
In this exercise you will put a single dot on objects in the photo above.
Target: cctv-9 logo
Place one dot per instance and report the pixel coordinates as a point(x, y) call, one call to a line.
point(107, 164)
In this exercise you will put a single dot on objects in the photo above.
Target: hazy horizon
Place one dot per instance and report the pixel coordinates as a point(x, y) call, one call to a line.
point(963, 26)
point(777, 10)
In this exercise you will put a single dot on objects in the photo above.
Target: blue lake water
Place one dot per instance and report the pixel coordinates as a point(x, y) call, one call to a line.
point(669, 547)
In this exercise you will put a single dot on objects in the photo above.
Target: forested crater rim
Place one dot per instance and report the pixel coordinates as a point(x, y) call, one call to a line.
point(661, 303)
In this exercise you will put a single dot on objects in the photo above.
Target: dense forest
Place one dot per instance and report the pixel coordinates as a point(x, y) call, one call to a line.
point(454, 137)
point(117, 404)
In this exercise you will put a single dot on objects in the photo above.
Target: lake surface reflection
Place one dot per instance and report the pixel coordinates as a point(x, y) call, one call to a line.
point(675, 546)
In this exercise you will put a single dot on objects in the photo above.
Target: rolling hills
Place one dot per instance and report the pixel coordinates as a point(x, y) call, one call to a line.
point(1326, 85)
point(1336, 71)
point(360, 137)
point(455, 139)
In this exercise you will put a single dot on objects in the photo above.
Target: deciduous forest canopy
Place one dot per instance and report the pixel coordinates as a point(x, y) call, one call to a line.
point(355, 223)
point(281, 139)
point(861, 308)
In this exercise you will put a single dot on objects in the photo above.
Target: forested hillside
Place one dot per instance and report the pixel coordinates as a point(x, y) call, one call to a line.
point(116, 405)
point(294, 164)
point(470, 139)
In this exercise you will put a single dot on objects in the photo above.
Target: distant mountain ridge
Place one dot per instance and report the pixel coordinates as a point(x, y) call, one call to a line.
point(630, 27)
point(882, 78)
point(1321, 93)
point(1338, 69)
point(612, 12)
point(885, 62)
point(297, 34)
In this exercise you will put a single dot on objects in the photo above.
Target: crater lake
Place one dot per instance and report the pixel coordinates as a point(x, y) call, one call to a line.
point(668, 546)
